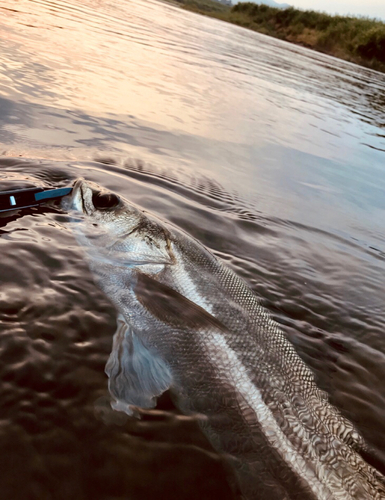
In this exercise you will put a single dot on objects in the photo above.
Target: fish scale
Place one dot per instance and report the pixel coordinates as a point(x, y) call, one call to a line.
point(190, 325)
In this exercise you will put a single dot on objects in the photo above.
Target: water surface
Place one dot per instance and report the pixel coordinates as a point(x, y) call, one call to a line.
point(270, 154)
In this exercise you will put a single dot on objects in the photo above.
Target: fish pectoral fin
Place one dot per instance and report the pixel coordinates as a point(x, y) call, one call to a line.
point(171, 307)
point(136, 376)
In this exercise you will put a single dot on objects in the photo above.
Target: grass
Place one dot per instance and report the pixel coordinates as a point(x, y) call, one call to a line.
point(356, 39)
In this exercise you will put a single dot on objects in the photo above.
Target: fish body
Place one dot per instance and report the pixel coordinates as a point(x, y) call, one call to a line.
point(188, 324)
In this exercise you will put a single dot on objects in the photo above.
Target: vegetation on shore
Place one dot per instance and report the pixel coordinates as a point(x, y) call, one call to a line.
point(355, 39)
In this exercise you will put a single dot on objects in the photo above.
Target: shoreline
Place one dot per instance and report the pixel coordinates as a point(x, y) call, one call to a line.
point(365, 34)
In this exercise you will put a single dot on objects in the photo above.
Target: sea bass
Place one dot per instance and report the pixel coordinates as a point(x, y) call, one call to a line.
point(188, 324)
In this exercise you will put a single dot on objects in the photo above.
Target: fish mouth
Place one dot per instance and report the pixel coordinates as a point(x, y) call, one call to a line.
point(78, 194)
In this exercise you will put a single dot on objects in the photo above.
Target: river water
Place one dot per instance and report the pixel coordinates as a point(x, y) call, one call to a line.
point(270, 154)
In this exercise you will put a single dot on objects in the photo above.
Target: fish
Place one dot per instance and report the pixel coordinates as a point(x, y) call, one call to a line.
point(189, 325)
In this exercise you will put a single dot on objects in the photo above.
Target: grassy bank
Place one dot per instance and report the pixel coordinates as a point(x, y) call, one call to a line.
point(359, 40)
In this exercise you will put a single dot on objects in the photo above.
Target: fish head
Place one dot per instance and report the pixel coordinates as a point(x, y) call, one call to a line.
point(114, 230)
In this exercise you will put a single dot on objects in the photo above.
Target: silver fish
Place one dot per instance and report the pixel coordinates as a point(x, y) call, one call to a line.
point(189, 325)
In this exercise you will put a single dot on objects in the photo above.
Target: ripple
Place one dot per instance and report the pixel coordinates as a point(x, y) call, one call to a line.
point(269, 154)
point(57, 327)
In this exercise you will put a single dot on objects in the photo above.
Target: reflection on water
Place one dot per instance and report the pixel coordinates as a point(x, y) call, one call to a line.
point(271, 155)
point(57, 328)
point(222, 82)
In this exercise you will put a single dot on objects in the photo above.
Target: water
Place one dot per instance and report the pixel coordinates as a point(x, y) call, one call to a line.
point(271, 155)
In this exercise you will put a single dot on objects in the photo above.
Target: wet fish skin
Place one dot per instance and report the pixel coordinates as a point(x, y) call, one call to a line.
point(190, 325)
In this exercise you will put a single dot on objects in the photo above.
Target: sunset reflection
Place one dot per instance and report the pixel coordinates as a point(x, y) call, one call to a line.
point(107, 62)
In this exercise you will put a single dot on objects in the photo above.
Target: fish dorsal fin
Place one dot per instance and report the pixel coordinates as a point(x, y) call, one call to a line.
point(136, 375)
point(171, 307)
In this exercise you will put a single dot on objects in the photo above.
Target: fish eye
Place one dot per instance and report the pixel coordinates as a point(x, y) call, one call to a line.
point(105, 201)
